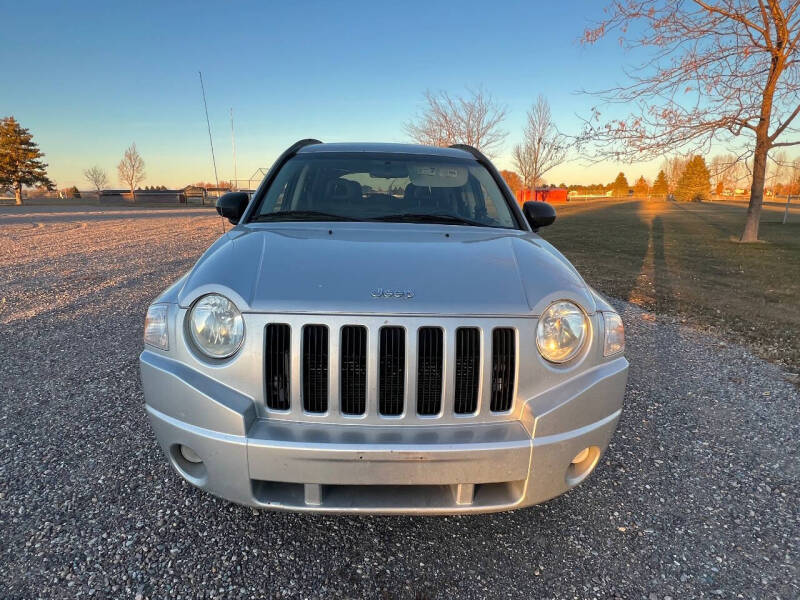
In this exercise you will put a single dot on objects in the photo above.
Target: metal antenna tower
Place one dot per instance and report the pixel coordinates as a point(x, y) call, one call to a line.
point(233, 142)
point(208, 123)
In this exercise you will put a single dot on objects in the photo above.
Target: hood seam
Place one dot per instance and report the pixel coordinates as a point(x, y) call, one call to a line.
point(519, 273)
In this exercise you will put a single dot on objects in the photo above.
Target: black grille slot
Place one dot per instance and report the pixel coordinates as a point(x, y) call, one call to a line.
point(315, 368)
point(429, 371)
point(277, 361)
point(503, 367)
point(391, 377)
point(468, 360)
point(353, 375)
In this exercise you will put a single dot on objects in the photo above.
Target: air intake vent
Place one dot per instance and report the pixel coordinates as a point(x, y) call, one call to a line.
point(468, 360)
point(353, 376)
point(277, 365)
point(429, 371)
point(391, 378)
point(315, 368)
point(503, 367)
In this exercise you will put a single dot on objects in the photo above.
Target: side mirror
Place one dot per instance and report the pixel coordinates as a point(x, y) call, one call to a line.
point(232, 205)
point(538, 214)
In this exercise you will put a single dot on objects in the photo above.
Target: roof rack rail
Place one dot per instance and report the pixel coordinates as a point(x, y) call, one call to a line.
point(472, 150)
point(300, 144)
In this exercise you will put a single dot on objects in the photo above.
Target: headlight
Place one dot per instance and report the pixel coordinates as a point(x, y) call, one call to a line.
point(155, 326)
point(615, 334)
point(561, 331)
point(216, 326)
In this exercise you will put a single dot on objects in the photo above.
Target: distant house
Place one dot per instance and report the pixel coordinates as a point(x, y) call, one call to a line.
point(142, 196)
point(199, 194)
point(543, 194)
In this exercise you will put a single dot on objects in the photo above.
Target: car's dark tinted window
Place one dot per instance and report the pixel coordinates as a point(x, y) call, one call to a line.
point(372, 186)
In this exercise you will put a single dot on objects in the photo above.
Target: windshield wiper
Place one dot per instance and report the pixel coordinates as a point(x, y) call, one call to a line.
point(429, 218)
point(301, 215)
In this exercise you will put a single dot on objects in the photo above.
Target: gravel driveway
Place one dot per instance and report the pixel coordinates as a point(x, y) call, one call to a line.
point(696, 497)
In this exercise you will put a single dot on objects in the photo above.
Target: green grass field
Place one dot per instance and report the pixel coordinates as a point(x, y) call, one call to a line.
point(683, 259)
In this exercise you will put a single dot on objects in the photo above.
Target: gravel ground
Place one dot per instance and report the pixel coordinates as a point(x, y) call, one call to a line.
point(696, 497)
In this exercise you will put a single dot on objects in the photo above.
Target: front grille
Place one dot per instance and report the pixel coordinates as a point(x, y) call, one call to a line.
point(503, 367)
point(353, 370)
point(366, 369)
point(391, 371)
point(277, 358)
point(315, 368)
point(429, 371)
point(468, 361)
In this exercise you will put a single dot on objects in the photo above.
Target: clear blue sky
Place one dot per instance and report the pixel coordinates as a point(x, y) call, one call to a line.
point(89, 78)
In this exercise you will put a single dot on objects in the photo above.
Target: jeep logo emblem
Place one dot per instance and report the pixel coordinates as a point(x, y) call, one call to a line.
point(388, 293)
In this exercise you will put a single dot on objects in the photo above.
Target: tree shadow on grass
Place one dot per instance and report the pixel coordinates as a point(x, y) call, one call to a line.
point(661, 276)
point(607, 246)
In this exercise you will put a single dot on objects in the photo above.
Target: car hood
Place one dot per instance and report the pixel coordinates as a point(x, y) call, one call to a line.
point(385, 268)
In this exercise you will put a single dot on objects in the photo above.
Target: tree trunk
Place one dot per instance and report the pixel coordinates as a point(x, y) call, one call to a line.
point(18, 194)
point(750, 233)
point(763, 144)
point(133, 195)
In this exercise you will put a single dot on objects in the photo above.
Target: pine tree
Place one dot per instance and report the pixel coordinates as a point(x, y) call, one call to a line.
point(695, 182)
point(620, 186)
point(20, 159)
point(641, 188)
point(660, 185)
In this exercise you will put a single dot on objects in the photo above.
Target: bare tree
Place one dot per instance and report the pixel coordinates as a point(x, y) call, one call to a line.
point(794, 177)
point(542, 147)
point(720, 168)
point(673, 167)
point(131, 169)
point(523, 163)
point(474, 119)
point(793, 186)
point(97, 177)
point(716, 69)
point(778, 170)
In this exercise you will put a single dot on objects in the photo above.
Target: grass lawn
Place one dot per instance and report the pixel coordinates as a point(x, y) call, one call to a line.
point(683, 259)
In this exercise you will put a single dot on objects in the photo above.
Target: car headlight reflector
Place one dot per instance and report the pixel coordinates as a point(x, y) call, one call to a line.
point(155, 326)
point(216, 326)
point(561, 332)
point(615, 334)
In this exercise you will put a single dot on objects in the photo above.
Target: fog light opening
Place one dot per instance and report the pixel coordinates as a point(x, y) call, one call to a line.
point(192, 456)
point(579, 457)
point(582, 464)
point(188, 463)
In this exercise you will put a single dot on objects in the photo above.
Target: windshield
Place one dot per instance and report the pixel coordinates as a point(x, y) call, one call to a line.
point(385, 187)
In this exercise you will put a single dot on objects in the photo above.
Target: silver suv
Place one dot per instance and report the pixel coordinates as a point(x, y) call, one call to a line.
point(383, 331)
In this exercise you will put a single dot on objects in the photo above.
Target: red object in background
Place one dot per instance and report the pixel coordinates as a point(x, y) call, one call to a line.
point(543, 195)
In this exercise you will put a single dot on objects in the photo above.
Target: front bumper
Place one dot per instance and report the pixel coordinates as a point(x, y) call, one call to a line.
point(381, 469)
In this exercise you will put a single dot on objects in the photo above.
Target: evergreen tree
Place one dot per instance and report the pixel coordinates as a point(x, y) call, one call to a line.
point(660, 185)
point(641, 188)
point(620, 186)
point(695, 182)
point(20, 159)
